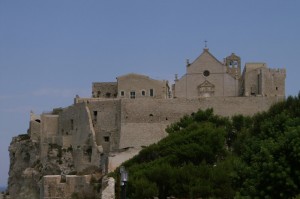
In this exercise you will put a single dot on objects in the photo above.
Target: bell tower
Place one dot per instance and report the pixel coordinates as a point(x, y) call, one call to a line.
point(233, 65)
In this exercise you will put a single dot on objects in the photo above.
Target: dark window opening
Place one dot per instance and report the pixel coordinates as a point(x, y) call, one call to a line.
point(166, 118)
point(143, 93)
point(98, 93)
point(132, 94)
point(89, 152)
point(37, 120)
point(276, 88)
point(95, 113)
point(72, 124)
point(151, 92)
point(151, 115)
point(63, 179)
point(122, 93)
point(108, 95)
point(106, 138)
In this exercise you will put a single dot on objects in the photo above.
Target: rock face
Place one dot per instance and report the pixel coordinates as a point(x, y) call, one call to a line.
point(25, 168)
point(31, 178)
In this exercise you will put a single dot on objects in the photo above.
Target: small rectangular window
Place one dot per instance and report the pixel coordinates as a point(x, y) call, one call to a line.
point(95, 115)
point(143, 93)
point(132, 94)
point(106, 138)
point(151, 92)
point(122, 93)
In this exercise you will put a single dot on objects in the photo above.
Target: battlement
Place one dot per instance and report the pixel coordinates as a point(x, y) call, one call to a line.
point(277, 70)
point(78, 100)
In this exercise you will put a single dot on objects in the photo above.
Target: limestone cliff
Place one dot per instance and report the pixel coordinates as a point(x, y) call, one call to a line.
point(27, 170)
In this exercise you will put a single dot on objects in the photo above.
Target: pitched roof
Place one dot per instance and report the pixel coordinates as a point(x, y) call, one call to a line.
point(206, 51)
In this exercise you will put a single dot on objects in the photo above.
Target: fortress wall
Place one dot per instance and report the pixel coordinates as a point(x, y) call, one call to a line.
point(143, 120)
point(251, 80)
point(54, 187)
point(141, 134)
point(74, 121)
point(75, 127)
point(34, 130)
point(49, 133)
point(105, 117)
point(49, 125)
point(274, 82)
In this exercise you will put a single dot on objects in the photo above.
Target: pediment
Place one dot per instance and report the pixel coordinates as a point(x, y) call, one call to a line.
point(206, 89)
point(206, 84)
point(206, 61)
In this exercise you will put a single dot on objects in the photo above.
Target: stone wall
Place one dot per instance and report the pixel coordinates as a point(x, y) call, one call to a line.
point(105, 115)
point(66, 187)
point(49, 134)
point(104, 90)
point(142, 86)
point(261, 80)
point(34, 130)
point(76, 131)
point(274, 82)
point(143, 121)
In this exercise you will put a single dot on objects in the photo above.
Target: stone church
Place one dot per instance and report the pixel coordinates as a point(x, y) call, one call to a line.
point(209, 77)
point(205, 77)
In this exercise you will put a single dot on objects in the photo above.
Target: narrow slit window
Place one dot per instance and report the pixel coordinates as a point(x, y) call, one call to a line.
point(95, 115)
point(151, 92)
point(72, 124)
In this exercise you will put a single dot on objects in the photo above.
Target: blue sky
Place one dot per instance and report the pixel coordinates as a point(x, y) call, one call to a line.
point(52, 50)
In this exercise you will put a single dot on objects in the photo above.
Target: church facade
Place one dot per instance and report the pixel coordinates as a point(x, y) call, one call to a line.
point(208, 77)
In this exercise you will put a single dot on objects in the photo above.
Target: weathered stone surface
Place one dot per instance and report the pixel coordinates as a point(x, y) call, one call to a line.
point(108, 188)
point(95, 135)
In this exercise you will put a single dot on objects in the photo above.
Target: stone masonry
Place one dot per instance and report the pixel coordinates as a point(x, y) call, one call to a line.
point(98, 133)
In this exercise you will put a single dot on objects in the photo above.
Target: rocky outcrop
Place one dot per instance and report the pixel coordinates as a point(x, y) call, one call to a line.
point(24, 172)
point(27, 170)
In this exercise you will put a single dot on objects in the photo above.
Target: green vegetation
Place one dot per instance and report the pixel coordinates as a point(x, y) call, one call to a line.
point(210, 156)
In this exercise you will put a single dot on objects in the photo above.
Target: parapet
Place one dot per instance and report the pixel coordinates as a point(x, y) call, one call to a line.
point(277, 70)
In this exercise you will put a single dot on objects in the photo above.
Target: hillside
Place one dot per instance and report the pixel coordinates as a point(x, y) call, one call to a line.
point(206, 156)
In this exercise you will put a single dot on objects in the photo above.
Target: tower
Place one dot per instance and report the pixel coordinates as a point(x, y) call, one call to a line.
point(233, 65)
